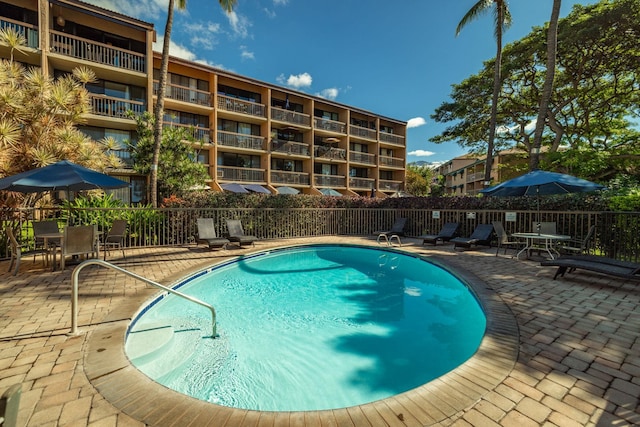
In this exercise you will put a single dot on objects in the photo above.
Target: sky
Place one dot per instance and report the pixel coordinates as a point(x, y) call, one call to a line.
point(393, 58)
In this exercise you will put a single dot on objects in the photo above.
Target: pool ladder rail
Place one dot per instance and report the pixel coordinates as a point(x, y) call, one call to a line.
point(74, 290)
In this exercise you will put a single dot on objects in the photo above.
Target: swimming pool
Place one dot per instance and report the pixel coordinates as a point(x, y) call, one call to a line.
point(336, 326)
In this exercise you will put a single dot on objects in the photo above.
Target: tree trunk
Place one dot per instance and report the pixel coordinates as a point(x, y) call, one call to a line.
point(158, 111)
point(497, 84)
point(552, 41)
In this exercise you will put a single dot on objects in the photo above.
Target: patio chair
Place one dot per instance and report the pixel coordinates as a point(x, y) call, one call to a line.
point(9, 404)
point(77, 241)
point(115, 237)
point(542, 228)
point(577, 246)
point(397, 230)
point(236, 233)
point(17, 252)
point(45, 227)
point(207, 234)
point(504, 240)
point(480, 236)
point(446, 233)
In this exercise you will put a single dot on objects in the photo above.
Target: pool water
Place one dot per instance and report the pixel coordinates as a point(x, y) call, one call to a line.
point(310, 328)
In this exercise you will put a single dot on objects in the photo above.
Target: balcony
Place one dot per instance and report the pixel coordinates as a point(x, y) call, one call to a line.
point(235, 105)
point(360, 157)
point(361, 132)
point(239, 140)
point(329, 181)
point(109, 106)
point(89, 50)
point(289, 178)
point(362, 183)
point(478, 176)
point(330, 125)
point(289, 147)
point(391, 138)
point(329, 153)
point(185, 94)
point(387, 185)
point(292, 117)
point(395, 162)
point(229, 173)
point(200, 134)
point(30, 32)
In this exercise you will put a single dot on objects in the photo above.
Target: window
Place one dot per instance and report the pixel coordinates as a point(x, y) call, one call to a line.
point(359, 173)
point(325, 169)
point(238, 160)
point(360, 148)
point(286, 165)
point(238, 127)
point(327, 115)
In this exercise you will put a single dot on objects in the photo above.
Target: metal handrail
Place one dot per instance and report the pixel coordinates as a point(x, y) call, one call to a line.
point(74, 295)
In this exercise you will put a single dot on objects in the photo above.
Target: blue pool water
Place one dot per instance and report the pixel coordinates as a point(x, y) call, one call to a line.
point(310, 328)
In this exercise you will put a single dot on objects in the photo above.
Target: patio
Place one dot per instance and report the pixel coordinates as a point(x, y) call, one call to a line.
point(578, 360)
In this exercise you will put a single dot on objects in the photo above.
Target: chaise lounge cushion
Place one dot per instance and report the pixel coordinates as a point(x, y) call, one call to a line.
point(480, 236)
point(448, 232)
point(598, 264)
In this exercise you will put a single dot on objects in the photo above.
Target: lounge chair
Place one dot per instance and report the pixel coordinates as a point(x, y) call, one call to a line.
point(598, 264)
point(207, 234)
point(236, 233)
point(397, 230)
point(504, 240)
point(448, 232)
point(115, 237)
point(480, 236)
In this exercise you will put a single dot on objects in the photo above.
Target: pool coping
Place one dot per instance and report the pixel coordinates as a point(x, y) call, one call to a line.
point(109, 370)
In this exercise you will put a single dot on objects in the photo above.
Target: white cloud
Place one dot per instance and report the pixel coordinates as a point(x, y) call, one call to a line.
point(421, 153)
point(330, 93)
point(141, 9)
point(416, 122)
point(299, 81)
point(280, 2)
point(240, 24)
point(174, 49)
point(245, 54)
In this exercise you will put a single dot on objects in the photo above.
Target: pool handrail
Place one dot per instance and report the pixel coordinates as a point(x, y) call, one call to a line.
point(74, 291)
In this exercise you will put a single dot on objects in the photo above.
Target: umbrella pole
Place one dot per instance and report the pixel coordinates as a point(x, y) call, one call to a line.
point(538, 225)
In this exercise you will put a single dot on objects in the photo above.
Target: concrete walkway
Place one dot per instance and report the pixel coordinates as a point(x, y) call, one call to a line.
point(578, 361)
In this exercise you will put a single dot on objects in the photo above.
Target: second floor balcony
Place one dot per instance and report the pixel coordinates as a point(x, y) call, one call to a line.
point(236, 174)
point(329, 181)
point(289, 178)
point(330, 153)
point(395, 162)
point(239, 140)
point(364, 158)
point(289, 147)
point(235, 105)
point(389, 185)
point(185, 94)
point(392, 139)
point(361, 132)
point(30, 32)
point(202, 135)
point(103, 105)
point(362, 183)
point(289, 116)
point(89, 50)
point(329, 125)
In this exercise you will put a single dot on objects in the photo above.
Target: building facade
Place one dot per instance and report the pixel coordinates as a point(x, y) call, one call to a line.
point(251, 133)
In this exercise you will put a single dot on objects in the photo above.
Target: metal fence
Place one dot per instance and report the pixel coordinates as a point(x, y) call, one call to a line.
point(617, 233)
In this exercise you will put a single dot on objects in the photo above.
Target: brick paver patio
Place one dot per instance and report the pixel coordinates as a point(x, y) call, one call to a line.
point(578, 361)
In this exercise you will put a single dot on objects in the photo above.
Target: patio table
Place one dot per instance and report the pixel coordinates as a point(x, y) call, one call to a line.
point(548, 239)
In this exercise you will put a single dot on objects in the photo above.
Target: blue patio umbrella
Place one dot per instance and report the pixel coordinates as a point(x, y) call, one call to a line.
point(287, 190)
point(330, 192)
point(63, 175)
point(234, 188)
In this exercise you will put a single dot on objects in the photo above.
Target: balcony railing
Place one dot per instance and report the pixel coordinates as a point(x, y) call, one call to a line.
point(103, 105)
point(290, 117)
point(289, 147)
point(386, 185)
point(236, 105)
point(362, 183)
point(395, 162)
point(478, 176)
point(362, 132)
point(228, 173)
point(185, 94)
point(392, 138)
point(30, 32)
point(90, 50)
point(332, 153)
point(329, 180)
point(239, 140)
point(201, 134)
point(360, 157)
point(291, 178)
point(329, 125)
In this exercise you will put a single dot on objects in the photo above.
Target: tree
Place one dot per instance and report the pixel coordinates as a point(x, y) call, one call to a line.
point(552, 42)
point(419, 180)
point(158, 111)
point(180, 171)
point(502, 21)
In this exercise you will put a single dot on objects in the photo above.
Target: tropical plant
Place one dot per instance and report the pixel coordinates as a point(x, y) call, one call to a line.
point(158, 110)
point(502, 21)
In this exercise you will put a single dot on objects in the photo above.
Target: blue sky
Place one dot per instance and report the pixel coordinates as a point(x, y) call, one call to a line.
point(393, 58)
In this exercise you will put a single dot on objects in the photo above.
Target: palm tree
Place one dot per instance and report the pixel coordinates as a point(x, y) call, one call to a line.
point(158, 111)
point(552, 42)
point(502, 22)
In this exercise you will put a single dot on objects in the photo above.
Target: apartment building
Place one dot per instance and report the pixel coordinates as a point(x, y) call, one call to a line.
point(464, 175)
point(255, 134)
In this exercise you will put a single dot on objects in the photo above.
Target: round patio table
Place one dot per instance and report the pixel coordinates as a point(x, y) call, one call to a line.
point(534, 238)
